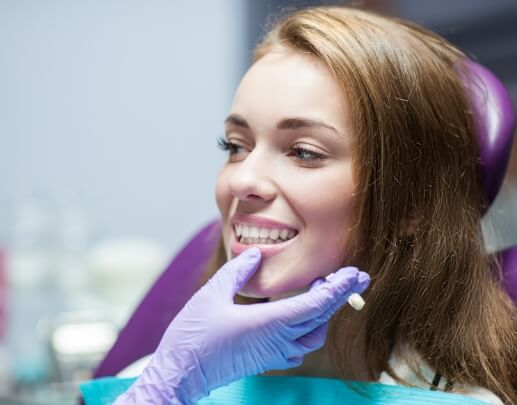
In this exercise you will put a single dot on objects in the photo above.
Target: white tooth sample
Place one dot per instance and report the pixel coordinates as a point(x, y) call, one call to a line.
point(254, 232)
point(274, 233)
point(254, 241)
point(245, 231)
point(356, 301)
point(264, 233)
point(238, 230)
point(290, 233)
point(284, 233)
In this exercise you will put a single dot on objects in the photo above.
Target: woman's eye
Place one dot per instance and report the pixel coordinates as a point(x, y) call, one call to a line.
point(230, 147)
point(301, 153)
point(306, 155)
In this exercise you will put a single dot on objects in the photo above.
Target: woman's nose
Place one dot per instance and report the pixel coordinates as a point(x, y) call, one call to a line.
point(252, 179)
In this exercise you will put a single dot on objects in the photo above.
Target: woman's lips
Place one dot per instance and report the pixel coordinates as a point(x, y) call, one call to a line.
point(267, 250)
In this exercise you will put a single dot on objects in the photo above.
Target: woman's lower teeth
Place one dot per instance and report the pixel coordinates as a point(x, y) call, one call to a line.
point(260, 241)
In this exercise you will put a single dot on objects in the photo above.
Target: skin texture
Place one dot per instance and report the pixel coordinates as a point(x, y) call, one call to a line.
point(267, 176)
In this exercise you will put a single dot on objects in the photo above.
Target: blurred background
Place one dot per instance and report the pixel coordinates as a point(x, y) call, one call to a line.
point(109, 114)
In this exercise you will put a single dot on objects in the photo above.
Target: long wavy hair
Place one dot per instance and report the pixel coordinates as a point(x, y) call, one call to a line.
point(418, 203)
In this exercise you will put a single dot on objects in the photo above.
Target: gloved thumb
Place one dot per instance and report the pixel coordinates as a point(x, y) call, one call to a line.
point(236, 272)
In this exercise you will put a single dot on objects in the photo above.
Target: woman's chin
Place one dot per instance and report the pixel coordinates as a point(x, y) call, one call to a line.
point(258, 287)
point(252, 290)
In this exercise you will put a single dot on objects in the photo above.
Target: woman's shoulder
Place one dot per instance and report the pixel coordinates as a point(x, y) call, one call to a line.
point(425, 377)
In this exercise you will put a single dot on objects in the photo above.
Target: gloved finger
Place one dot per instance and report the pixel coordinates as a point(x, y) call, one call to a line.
point(306, 327)
point(305, 344)
point(315, 339)
point(317, 300)
point(236, 272)
point(318, 282)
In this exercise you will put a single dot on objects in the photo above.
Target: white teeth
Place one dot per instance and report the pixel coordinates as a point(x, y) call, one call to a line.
point(254, 235)
point(254, 232)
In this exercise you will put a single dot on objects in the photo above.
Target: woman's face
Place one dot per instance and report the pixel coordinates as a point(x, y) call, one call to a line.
point(287, 186)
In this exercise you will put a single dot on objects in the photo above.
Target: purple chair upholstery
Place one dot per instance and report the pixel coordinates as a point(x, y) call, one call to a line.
point(141, 335)
point(495, 124)
point(509, 267)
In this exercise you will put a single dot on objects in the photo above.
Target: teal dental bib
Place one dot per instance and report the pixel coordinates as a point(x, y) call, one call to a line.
point(289, 390)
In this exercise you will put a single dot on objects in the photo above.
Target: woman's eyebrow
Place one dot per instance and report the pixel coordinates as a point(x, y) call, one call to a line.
point(284, 123)
point(296, 122)
point(237, 120)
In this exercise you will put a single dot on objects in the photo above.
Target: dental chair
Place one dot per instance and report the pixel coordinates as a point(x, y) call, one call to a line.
point(495, 121)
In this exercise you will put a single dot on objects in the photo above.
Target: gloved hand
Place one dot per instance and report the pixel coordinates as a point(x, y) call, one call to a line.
point(213, 341)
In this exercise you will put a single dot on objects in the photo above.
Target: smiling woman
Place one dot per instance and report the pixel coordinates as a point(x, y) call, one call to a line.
point(350, 141)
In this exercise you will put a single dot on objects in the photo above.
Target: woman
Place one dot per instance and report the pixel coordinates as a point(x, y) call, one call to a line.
point(351, 141)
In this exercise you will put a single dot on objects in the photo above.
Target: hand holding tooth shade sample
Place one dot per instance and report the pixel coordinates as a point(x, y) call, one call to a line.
point(213, 341)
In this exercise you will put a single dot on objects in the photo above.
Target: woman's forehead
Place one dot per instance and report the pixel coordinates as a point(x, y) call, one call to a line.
point(291, 84)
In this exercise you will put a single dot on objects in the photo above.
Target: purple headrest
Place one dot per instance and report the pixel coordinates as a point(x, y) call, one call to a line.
point(509, 267)
point(495, 125)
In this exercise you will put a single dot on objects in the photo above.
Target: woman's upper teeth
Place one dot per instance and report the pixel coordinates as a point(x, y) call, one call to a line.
point(247, 231)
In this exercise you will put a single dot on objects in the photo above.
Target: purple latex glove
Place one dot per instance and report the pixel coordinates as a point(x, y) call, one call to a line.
point(213, 341)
